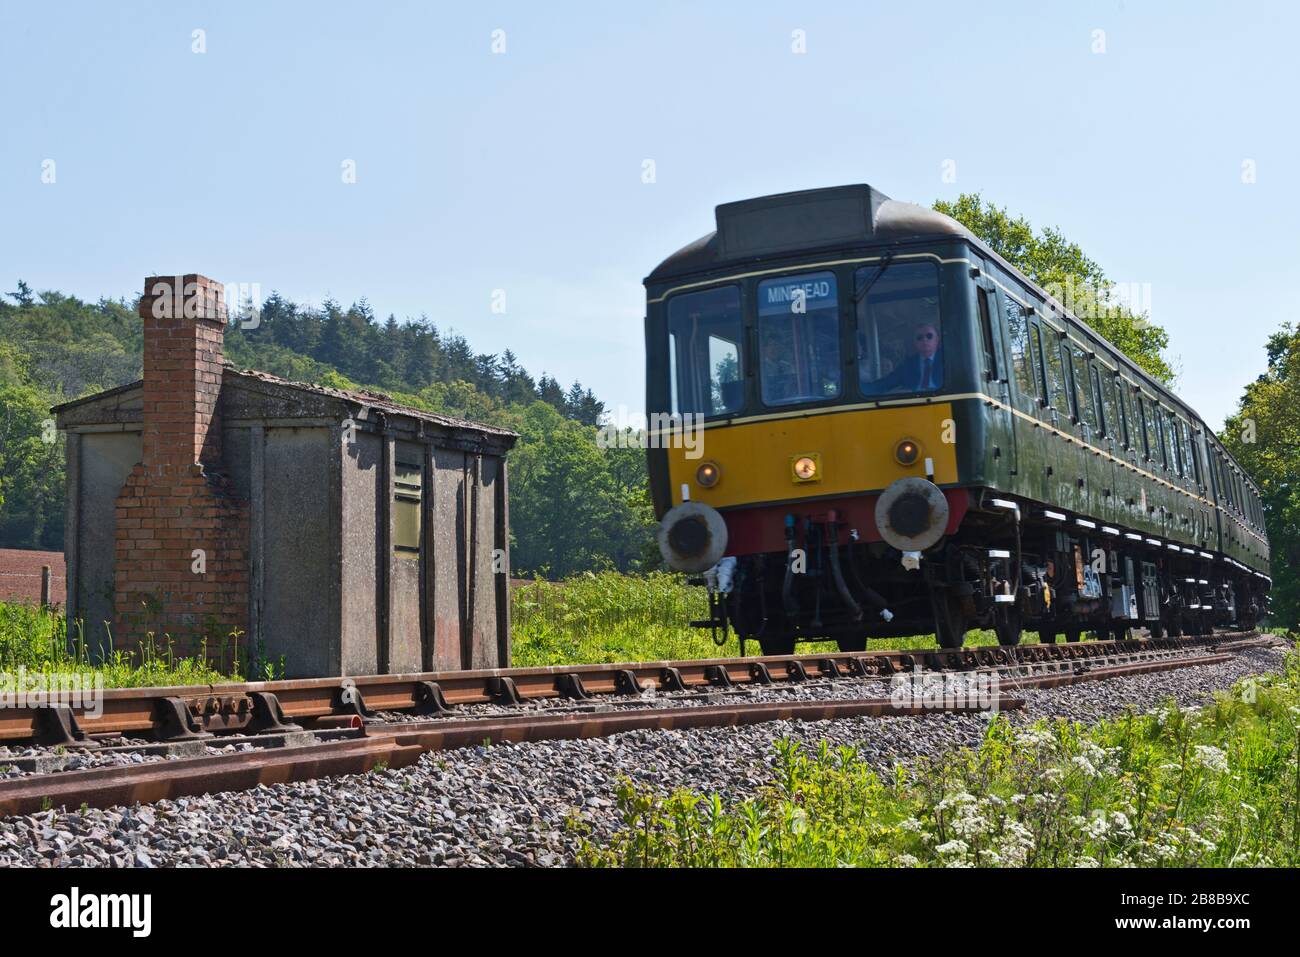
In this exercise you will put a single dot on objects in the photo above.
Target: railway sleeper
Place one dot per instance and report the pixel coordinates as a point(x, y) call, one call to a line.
point(430, 700)
point(173, 721)
point(268, 715)
point(56, 726)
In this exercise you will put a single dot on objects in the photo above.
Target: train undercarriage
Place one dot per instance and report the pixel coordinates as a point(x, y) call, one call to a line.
point(1002, 569)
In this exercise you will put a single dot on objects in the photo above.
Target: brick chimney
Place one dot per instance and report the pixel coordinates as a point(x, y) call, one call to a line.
point(184, 325)
point(181, 538)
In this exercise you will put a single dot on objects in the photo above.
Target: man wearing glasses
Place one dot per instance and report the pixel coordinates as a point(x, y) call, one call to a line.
point(922, 371)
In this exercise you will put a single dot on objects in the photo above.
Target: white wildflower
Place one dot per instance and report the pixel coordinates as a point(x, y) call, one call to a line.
point(1212, 758)
point(1084, 765)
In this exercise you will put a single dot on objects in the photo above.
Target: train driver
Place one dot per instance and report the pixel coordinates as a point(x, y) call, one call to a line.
point(921, 371)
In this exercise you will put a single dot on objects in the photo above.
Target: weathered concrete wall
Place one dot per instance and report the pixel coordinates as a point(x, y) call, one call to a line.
point(104, 460)
point(362, 574)
point(300, 608)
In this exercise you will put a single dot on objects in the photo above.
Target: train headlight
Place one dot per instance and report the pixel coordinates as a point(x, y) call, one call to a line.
point(907, 452)
point(806, 468)
point(708, 474)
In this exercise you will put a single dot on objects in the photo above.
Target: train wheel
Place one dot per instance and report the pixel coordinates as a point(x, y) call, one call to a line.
point(1073, 633)
point(949, 622)
point(777, 646)
point(1047, 637)
point(1175, 626)
point(852, 644)
point(1156, 629)
point(1007, 626)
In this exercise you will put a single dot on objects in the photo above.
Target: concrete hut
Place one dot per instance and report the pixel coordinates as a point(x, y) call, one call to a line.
point(335, 529)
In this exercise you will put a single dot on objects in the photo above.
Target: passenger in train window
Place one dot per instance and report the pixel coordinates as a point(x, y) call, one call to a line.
point(920, 371)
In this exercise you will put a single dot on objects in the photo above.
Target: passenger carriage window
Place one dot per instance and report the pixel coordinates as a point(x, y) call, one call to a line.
point(1175, 452)
point(705, 331)
point(1124, 399)
point(1082, 388)
point(799, 338)
point(1105, 386)
point(1039, 370)
point(1185, 441)
point(1058, 384)
point(1157, 415)
point(1021, 357)
point(1150, 447)
point(899, 336)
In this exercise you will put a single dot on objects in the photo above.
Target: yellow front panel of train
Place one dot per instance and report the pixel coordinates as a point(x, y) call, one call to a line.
point(850, 452)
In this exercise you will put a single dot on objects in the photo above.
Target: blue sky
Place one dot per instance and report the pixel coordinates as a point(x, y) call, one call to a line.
point(522, 171)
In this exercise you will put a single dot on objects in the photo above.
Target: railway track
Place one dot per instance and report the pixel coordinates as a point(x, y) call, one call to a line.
point(276, 707)
point(343, 732)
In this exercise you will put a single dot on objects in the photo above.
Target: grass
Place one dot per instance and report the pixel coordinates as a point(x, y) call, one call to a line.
point(1218, 786)
point(35, 640)
point(591, 618)
point(606, 617)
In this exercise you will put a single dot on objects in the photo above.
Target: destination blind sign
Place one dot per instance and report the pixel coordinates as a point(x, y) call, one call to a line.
point(797, 294)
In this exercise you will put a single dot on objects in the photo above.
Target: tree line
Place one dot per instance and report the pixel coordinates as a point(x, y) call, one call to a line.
point(575, 506)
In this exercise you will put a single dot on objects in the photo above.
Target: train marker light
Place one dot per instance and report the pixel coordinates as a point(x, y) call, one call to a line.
point(806, 468)
point(708, 474)
point(907, 452)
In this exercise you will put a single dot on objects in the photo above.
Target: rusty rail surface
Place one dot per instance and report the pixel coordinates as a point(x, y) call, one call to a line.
point(186, 711)
point(400, 745)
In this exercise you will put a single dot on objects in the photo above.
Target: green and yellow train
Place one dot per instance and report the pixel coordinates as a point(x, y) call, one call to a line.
point(866, 423)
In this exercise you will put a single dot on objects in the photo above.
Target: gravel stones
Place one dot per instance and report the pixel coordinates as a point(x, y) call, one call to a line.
point(508, 805)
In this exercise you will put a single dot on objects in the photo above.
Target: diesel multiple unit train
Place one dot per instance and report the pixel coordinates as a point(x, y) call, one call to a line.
point(867, 423)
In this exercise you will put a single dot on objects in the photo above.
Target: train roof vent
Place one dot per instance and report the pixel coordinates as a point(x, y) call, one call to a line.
point(792, 221)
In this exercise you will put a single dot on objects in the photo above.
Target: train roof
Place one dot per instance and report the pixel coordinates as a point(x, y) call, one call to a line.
point(806, 220)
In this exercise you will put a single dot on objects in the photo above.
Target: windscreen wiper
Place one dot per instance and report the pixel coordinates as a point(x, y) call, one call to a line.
point(861, 293)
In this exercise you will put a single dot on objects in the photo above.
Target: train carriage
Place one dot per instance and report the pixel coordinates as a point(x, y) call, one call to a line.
point(899, 433)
